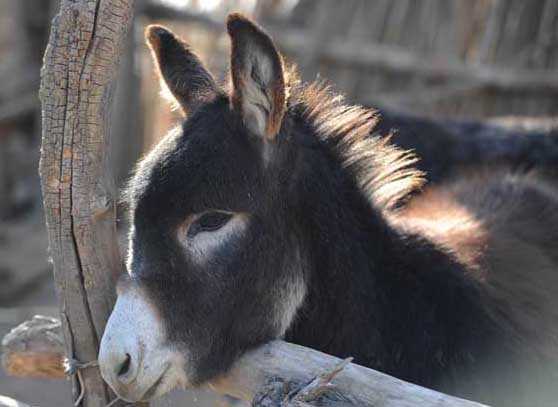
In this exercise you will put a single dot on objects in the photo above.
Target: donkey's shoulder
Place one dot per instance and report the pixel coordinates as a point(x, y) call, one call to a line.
point(503, 227)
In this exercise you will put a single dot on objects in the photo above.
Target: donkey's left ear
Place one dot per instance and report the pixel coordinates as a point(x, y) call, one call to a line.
point(188, 80)
point(258, 82)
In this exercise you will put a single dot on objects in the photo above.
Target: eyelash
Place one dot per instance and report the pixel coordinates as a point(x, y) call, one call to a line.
point(208, 222)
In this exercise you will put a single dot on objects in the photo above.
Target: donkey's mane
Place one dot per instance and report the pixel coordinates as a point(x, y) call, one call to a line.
point(383, 171)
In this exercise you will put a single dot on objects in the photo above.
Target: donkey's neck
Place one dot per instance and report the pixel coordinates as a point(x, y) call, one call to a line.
point(370, 283)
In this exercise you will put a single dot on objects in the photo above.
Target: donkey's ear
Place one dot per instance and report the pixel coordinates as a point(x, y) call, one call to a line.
point(187, 79)
point(258, 92)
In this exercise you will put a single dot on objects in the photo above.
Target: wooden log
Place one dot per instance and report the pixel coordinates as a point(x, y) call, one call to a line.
point(355, 385)
point(34, 348)
point(80, 65)
point(265, 375)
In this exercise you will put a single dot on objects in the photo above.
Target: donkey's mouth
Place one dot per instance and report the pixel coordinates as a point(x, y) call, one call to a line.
point(151, 392)
point(133, 392)
point(134, 358)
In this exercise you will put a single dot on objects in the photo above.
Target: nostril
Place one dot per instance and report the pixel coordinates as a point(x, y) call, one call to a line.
point(125, 366)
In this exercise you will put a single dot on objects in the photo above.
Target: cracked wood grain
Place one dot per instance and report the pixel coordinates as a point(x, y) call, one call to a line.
point(77, 81)
point(271, 371)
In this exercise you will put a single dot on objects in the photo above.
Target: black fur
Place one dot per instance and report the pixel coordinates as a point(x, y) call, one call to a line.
point(446, 147)
point(378, 290)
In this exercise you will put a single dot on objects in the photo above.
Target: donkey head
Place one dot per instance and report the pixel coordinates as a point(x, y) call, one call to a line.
point(216, 256)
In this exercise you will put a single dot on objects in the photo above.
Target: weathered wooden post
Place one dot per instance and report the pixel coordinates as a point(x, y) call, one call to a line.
point(80, 66)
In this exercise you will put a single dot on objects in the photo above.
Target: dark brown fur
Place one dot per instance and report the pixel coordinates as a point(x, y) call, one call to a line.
point(175, 62)
point(504, 228)
point(453, 289)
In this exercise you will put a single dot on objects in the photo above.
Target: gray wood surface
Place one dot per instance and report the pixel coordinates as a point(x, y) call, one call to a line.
point(355, 385)
point(80, 64)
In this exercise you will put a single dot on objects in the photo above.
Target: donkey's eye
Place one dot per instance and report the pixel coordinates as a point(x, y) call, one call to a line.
point(209, 222)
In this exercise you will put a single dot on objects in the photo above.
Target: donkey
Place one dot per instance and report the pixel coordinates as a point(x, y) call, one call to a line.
point(275, 211)
point(446, 147)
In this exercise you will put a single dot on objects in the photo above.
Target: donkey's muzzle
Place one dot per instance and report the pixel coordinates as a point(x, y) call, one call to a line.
point(134, 358)
point(120, 369)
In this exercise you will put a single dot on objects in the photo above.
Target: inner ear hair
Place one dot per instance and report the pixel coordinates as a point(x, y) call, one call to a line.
point(258, 84)
point(187, 79)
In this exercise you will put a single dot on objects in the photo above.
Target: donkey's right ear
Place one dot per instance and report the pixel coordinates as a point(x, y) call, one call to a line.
point(187, 79)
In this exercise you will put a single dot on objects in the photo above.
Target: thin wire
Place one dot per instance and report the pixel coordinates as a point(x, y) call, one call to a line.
point(113, 402)
point(74, 367)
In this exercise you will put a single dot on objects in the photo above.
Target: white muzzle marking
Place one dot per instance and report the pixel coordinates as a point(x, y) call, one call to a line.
point(134, 358)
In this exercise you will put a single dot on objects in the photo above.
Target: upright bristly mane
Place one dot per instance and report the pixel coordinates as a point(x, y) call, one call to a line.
point(383, 171)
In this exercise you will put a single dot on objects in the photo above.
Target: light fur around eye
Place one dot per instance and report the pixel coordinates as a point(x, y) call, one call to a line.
point(202, 243)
